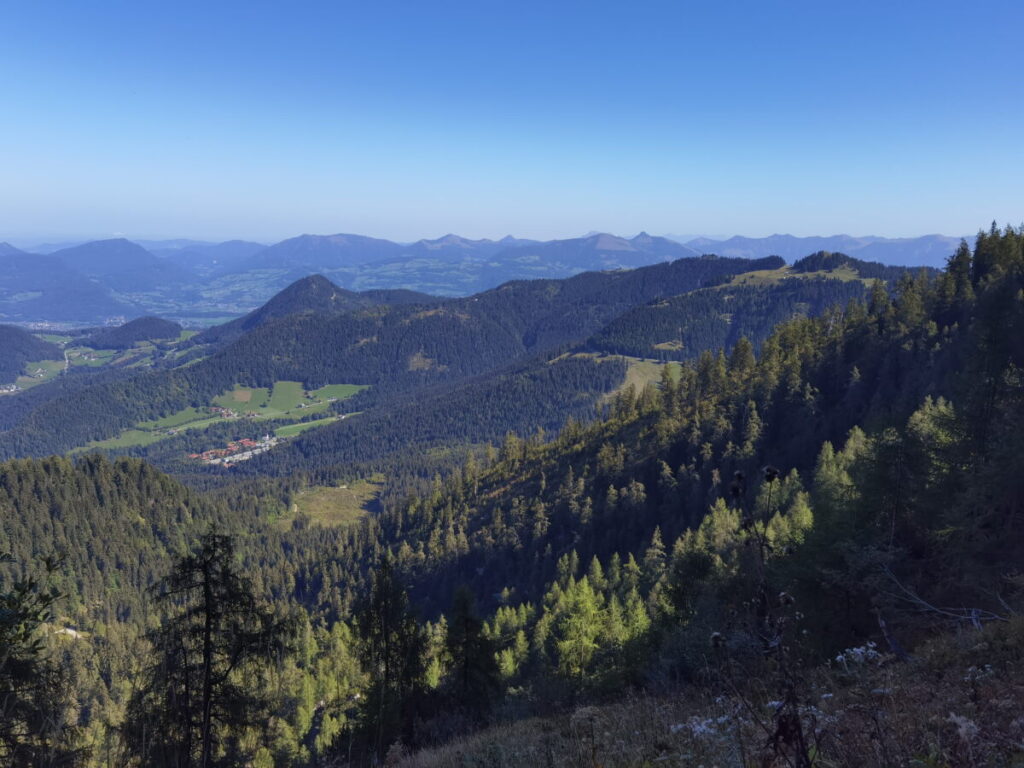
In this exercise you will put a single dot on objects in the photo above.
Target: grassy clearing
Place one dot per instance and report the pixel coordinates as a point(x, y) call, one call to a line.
point(332, 507)
point(297, 429)
point(186, 416)
point(287, 395)
point(130, 438)
point(640, 373)
point(92, 358)
point(776, 276)
point(54, 338)
point(339, 391)
point(244, 399)
point(39, 372)
point(286, 400)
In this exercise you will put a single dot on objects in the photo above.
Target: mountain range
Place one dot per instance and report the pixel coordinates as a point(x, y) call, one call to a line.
point(802, 524)
point(198, 283)
point(925, 251)
point(519, 347)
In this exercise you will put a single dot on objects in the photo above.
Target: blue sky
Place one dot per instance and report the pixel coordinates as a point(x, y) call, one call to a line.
point(547, 119)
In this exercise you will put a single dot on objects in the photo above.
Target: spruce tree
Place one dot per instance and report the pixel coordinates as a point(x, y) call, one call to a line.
point(195, 699)
point(393, 649)
point(473, 669)
point(34, 691)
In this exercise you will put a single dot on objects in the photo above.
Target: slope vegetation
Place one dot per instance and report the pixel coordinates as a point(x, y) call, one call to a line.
point(18, 347)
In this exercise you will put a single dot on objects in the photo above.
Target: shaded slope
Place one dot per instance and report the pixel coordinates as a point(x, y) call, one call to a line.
point(392, 348)
point(125, 336)
point(123, 266)
point(309, 295)
point(18, 347)
point(34, 286)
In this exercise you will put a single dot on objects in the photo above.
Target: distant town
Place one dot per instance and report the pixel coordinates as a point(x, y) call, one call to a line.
point(237, 450)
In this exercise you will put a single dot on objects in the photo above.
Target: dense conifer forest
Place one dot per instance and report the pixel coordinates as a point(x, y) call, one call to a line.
point(127, 335)
point(393, 347)
point(801, 546)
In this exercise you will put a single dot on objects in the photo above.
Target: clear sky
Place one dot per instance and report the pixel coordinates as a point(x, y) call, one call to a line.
point(542, 119)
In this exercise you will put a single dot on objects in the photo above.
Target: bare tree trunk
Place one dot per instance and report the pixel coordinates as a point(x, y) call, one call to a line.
point(207, 740)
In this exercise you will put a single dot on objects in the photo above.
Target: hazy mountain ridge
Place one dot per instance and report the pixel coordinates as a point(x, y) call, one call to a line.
point(210, 258)
point(44, 287)
point(193, 282)
point(925, 251)
point(318, 333)
point(124, 266)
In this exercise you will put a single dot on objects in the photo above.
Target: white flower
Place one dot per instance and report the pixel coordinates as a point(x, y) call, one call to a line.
point(966, 729)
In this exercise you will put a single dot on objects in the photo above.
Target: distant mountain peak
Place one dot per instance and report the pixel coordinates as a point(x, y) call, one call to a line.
point(928, 250)
point(6, 249)
point(310, 285)
point(119, 243)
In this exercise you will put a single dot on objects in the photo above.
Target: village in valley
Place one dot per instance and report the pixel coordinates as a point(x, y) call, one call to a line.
point(237, 450)
point(287, 409)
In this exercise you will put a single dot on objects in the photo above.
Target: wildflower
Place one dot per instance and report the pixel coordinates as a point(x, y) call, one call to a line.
point(966, 729)
point(771, 474)
point(976, 673)
point(584, 715)
point(859, 656)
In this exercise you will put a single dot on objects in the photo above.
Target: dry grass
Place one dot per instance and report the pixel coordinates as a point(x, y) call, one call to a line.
point(639, 374)
point(336, 506)
point(959, 703)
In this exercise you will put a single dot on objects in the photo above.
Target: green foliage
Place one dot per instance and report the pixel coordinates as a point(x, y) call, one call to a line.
point(654, 547)
point(18, 347)
point(393, 649)
point(195, 702)
point(36, 730)
point(472, 664)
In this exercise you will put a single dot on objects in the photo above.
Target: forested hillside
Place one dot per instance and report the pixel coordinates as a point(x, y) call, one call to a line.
point(18, 347)
point(682, 327)
point(127, 335)
point(309, 295)
point(802, 550)
point(393, 348)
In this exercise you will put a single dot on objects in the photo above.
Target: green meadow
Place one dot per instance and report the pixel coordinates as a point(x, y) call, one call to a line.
point(334, 506)
point(285, 400)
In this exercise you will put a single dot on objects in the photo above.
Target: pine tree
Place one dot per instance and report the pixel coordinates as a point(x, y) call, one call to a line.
point(35, 731)
point(578, 629)
point(195, 700)
point(393, 650)
point(473, 671)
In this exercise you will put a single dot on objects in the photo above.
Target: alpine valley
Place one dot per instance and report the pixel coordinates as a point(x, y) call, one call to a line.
point(605, 501)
